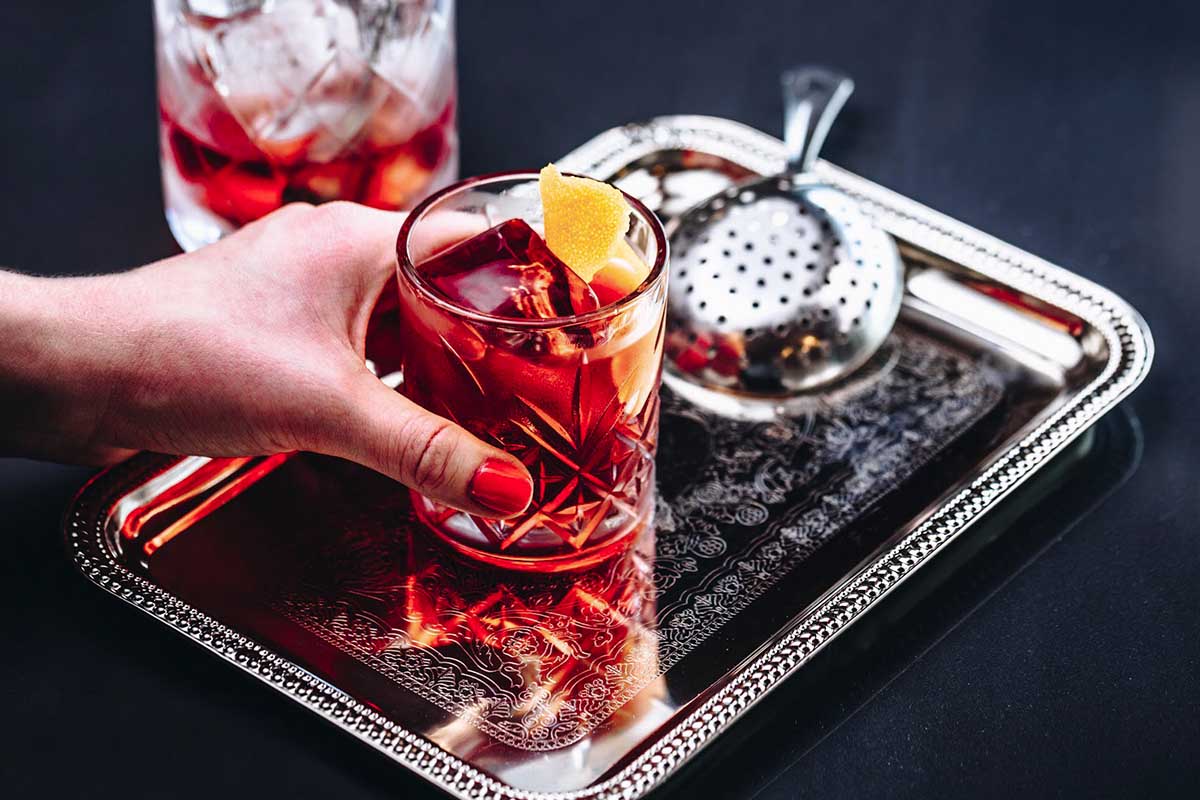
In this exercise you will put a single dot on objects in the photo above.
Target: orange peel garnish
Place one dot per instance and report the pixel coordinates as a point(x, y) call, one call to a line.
point(585, 220)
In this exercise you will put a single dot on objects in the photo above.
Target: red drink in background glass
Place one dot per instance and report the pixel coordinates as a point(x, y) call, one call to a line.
point(240, 181)
point(265, 103)
point(501, 337)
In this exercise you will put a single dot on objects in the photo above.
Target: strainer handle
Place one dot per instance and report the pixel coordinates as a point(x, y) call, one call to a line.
point(812, 98)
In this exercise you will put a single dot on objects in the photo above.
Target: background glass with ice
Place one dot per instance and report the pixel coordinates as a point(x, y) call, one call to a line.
point(268, 101)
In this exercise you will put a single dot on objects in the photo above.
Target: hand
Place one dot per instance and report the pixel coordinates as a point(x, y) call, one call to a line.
point(250, 346)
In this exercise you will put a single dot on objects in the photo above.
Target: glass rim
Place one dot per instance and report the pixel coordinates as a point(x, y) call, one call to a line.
point(417, 280)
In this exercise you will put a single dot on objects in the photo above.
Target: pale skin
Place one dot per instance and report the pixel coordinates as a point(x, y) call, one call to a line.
point(251, 346)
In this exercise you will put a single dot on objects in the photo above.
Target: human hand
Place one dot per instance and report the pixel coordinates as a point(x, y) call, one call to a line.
point(250, 346)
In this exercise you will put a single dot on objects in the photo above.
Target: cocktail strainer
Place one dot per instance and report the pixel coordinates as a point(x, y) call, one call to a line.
point(782, 285)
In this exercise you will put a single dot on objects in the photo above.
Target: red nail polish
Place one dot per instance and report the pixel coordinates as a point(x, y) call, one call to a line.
point(501, 486)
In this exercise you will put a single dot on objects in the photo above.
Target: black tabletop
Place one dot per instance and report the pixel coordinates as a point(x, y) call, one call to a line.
point(1062, 658)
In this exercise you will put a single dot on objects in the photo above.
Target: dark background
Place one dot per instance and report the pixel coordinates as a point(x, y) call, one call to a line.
point(1063, 660)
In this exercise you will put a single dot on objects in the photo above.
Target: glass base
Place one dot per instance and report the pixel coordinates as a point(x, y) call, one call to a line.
point(448, 524)
point(192, 232)
point(194, 226)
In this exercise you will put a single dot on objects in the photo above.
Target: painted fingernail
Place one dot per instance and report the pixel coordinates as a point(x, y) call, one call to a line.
point(501, 486)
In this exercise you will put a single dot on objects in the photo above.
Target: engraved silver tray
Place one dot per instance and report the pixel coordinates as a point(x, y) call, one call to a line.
point(771, 536)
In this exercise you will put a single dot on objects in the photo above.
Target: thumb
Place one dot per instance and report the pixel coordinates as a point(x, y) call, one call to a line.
point(393, 435)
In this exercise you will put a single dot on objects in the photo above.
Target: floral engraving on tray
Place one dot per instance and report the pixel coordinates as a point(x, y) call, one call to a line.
point(539, 663)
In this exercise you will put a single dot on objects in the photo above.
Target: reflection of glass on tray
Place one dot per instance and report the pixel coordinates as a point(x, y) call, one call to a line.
point(265, 102)
point(534, 663)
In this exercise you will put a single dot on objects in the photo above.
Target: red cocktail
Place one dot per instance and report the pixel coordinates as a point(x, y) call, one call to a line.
point(262, 104)
point(501, 336)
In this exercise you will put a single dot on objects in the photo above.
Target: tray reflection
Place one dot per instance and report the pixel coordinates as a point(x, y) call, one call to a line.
point(535, 663)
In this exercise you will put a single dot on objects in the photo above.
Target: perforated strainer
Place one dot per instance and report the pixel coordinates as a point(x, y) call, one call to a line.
point(782, 285)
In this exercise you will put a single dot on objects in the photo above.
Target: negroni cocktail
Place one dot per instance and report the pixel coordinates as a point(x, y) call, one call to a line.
point(532, 315)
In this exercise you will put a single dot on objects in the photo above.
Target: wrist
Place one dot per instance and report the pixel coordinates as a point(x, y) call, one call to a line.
point(58, 364)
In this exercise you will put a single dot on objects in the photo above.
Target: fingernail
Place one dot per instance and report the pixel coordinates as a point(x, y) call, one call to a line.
point(501, 486)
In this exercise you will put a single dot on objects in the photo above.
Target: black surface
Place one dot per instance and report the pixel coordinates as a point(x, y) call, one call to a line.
point(1069, 129)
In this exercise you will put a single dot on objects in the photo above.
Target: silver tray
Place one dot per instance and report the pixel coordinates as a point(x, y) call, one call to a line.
point(771, 537)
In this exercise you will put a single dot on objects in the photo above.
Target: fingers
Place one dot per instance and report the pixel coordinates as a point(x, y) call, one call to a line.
point(390, 434)
point(441, 228)
point(373, 233)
